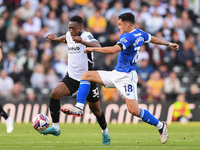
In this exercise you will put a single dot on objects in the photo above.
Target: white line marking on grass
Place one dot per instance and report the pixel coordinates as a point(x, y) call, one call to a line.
point(112, 134)
point(57, 142)
point(130, 147)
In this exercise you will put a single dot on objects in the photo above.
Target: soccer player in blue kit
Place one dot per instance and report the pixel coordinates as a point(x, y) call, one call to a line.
point(124, 76)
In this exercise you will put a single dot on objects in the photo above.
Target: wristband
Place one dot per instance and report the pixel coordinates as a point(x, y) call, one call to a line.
point(169, 44)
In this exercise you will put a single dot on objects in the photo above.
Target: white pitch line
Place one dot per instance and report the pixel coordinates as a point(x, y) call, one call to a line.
point(189, 133)
point(57, 142)
point(115, 147)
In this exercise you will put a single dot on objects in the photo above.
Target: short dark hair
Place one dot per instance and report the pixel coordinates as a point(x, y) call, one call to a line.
point(127, 17)
point(77, 19)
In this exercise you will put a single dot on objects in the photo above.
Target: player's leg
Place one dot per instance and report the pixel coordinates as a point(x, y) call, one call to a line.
point(9, 121)
point(84, 89)
point(96, 110)
point(147, 117)
point(126, 83)
point(58, 92)
point(94, 105)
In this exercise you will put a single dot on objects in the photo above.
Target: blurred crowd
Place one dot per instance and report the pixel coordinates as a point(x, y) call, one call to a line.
point(32, 65)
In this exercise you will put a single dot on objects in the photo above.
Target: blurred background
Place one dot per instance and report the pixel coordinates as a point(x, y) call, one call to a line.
point(32, 65)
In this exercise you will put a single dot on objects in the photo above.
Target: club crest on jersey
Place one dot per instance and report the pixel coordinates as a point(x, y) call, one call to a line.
point(123, 40)
point(90, 37)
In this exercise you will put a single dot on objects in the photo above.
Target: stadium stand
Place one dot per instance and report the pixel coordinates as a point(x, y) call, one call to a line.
point(24, 23)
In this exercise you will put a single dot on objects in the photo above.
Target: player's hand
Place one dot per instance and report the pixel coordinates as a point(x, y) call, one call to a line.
point(51, 37)
point(174, 46)
point(1, 54)
point(77, 39)
point(88, 50)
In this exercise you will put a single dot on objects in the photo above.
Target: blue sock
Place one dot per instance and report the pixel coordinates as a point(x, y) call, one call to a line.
point(83, 91)
point(147, 117)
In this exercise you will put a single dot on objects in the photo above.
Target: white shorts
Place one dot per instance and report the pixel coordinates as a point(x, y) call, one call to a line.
point(126, 83)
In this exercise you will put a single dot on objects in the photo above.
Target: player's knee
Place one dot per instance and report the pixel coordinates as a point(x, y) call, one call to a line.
point(55, 94)
point(88, 75)
point(134, 112)
point(85, 75)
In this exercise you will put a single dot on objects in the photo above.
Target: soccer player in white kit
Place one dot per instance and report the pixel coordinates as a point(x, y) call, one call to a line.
point(78, 62)
point(124, 76)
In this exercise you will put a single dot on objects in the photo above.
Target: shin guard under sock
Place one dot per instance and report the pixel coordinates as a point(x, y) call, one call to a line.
point(102, 121)
point(147, 117)
point(54, 109)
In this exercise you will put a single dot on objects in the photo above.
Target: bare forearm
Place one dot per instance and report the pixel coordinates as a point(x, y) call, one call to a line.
point(1, 54)
point(159, 41)
point(91, 44)
point(105, 50)
point(60, 39)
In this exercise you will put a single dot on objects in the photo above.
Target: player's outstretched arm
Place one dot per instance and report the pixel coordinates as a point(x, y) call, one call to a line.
point(105, 50)
point(160, 41)
point(91, 44)
point(1, 54)
point(53, 37)
point(78, 39)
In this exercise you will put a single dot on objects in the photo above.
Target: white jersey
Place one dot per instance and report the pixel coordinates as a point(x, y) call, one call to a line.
point(78, 61)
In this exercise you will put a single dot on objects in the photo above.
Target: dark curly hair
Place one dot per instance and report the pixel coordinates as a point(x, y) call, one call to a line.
point(77, 19)
point(127, 17)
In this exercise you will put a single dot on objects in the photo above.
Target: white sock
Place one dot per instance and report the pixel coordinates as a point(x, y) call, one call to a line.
point(160, 125)
point(8, 119)
point(80, 105)
point(56, 126)
point(105, 131)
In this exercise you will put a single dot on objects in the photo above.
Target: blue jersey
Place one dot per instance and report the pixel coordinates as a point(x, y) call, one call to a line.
point(131, 42)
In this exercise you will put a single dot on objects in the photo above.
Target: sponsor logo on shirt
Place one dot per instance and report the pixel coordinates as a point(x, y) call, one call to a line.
point(73, 48)
point(123, 40)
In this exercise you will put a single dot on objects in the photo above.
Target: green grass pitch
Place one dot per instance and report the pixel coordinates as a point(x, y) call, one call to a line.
point(88, 136)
